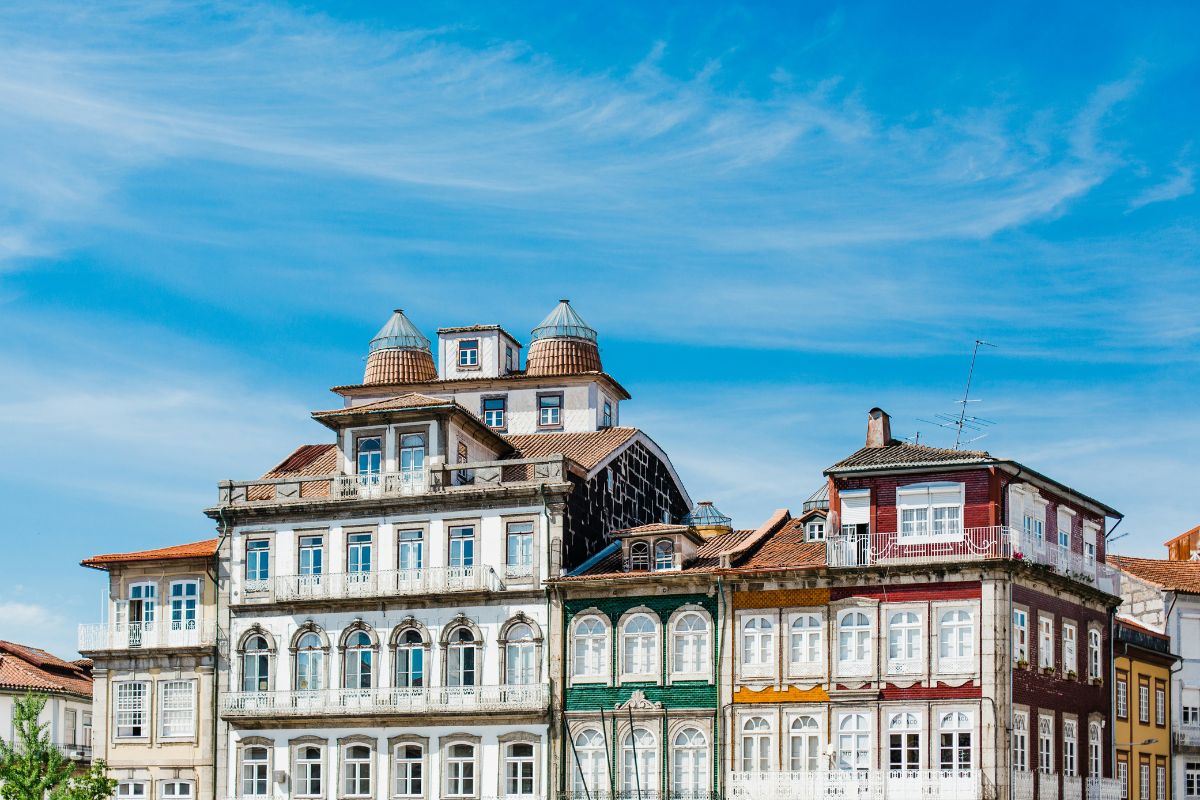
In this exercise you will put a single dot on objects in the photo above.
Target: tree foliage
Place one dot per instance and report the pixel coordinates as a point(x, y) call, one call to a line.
point(33, 768)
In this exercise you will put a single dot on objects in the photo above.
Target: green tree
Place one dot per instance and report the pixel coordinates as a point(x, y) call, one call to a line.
point(91, 785)
point(31, 767)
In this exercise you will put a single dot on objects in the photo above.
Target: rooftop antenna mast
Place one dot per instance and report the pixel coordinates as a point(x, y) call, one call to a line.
point(964, 421)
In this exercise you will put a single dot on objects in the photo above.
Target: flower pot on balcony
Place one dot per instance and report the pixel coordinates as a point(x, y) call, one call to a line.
point(1072, 675)
point(1022, 664)
point(1097, 681)
point(1047, 670)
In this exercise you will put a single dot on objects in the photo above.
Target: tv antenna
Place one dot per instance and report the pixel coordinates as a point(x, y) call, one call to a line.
point(962, 421)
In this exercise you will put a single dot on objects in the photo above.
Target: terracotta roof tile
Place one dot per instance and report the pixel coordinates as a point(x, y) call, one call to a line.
point(787, 548)
point(705, 559)
point(708, 556)
point(554, 356)
point(29, 668)
point(588, 449)
point(390, 366)
point(903, 454)
point(306, 460)
point(516, 375)
point(653, 527)
point(406, 400)
point(1180, 576)
point(202, 549)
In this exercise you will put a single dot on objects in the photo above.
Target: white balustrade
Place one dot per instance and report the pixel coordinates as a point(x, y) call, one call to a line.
point(385, 583)
point(1103, 789)
point(1047, 785)
point(967, 544)
point(844, 785)
point(1022, 784)
point(387, 700)
point(147, 635)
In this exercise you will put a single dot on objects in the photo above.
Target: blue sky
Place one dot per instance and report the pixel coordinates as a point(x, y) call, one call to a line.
point(777, 217)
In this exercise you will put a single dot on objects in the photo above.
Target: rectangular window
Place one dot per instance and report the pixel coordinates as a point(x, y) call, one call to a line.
point(312, 555)
point(1093, 653)
point(1123, 778)
point(606, 416)
point(358, 553)
point(1020, 636)
point(1144, 780)
point(412, 458)
point(175, 790)
point(509, 361)
point(1122, 698)
point(1035, 530)
point(462, 547)
point(494, 409)
point(1046, 642)
point(410, 548)
point(1064, 529)
point(550, 410)
point(370, 456)
point(1069, 638)
point(930, 510)
point(1046, 744)
point(87, 729)
point(1020, 740)
point(258, 559)
point(71, 722)
point(130, 709)
point(184, 597)
point(131, 790)
point(177, 709)
point(1070, 746)
point(1094, 758)
point(815, 532)
point(1160, 782)
point(519, 550)
point(1160, 706)
point(1144, 703)
point(468, 353)
point(1191, 779)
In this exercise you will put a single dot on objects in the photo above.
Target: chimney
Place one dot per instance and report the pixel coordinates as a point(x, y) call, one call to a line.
point(879, 428)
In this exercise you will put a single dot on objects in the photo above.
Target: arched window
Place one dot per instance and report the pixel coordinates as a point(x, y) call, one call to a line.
point(461, 653)
point(309, 778)
point(758, 645)
point(356, 769)
point(689, 762)
point(370, 456)
point(854, 641)
point(310, 663)
point(955, 741)
point(639, 641)
point(854, 742)
point(805, 648)
point(460, 770)
point(520, 656)
point(904, 641)
point(591, 647)
point(1095, 763)
point(956, 635)
point(904, 742)
point(518, 770)
point(591, 769)
point(664, 554)
point(256, 665)
point(639, 762)
point(359, 661)
point(1093, 653)
point(639, 556)
point(691, 644)
point(804, 744)
point(255, 770)
point(410, 660)
point(756, 745)
point(408, 770)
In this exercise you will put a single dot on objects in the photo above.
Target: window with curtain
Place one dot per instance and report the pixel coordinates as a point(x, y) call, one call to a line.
point(690, 644)
point(689, 762)
point(256, 665)
point(639, 643)
point(639, 761)
point(757, 745)
point(310, 663)
point(520, 656)
point(591, 647)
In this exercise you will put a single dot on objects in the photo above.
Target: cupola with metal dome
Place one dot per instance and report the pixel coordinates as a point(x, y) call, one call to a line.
point(399, 353)
point(707, 520)
point(563, 344)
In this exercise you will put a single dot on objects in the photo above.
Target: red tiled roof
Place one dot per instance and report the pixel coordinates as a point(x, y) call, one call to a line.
point(787, 548)
point(202, 549)
point(29, 668)
point(406, 400)
point(903, 454)
point(707, 558)
point(553, 356)
point(1183, 535)
point(388, 366)
point(587, 450)
point(1179, 576)
point(516, 375)
point(653, 527)
point(306, 460)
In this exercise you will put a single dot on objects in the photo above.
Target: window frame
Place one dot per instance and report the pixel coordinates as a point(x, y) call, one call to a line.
point(962, 660)
point(1020, 635)
point(344, 764)
point(703, 672)
point(504, 744)
point(908, 663)
point(866, 666)
point(446, 744)
point(559, 408)
point(654, 637)
point(604, 651)
point(486, 413)
point(143, 710)
point(468, 354)
point(1045, 641)
point(243, 748)
point(395, 744)
point(934, 495)
point(303, 777)
point(163, 692)
point(815, 667)
point(759, 759)
point(763, 666)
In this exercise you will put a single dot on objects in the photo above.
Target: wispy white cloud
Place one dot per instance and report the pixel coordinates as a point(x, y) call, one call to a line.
point(1179, 184)
point(37, 625)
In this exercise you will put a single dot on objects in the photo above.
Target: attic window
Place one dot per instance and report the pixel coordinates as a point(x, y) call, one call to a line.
point(664, 554)
point(468, 353)
point(639, 556)
point(814, 532)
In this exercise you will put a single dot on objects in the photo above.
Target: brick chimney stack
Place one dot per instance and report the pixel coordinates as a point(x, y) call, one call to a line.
point(879, 428)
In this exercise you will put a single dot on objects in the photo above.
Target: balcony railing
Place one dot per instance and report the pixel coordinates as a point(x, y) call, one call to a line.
point(890, 785)
point(75, 752)
point(147, 635)
point(1022, 784)
point(967, 544)
point(432, 479)
point(387, 701)
point(1187, 736)
point(1047, 785)
point(1102, 789)
point(388, 583)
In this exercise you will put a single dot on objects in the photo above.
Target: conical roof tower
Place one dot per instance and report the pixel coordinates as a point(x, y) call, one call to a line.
point(707, 520)
point(399, 353)
point(563, 344)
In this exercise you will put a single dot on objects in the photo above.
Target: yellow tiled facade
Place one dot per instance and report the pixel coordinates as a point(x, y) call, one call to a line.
point(1142, 733)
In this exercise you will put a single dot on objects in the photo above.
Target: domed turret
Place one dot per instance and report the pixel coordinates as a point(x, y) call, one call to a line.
point(563, 344)
point(399, 353)
point(707, 520)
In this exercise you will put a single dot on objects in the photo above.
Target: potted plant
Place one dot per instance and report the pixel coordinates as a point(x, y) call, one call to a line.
point(1097, 681)
point(1022, 664)
point(1072, 675)
point(1047, 670)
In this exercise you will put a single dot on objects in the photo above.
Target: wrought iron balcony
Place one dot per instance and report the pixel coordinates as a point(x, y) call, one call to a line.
point(146, 635)
point(967, 544)
point(534, 698)
point(433, 479)
point(355, 585)
point(964, 784)
point(1187, 736)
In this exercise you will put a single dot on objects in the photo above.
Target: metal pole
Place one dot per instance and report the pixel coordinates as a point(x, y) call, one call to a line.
point(633, 739)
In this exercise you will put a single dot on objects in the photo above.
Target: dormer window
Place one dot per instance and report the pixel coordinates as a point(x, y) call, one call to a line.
point(606, 416)
point(639, 556)
point(814, 532)
point(664, 554)
point(508, 359)
point(931, 510)
point(468, 353)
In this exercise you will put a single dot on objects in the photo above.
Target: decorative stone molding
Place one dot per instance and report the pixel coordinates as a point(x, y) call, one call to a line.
point(639, 702)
